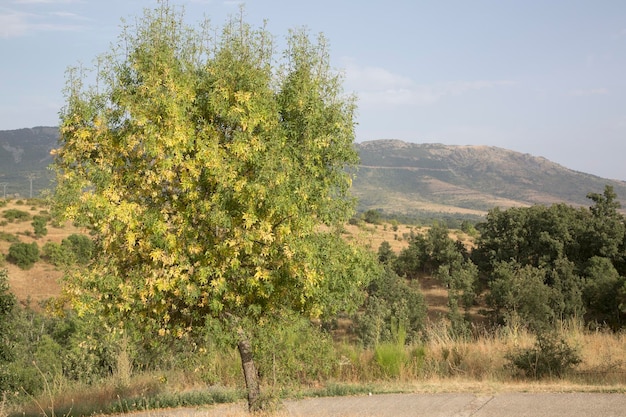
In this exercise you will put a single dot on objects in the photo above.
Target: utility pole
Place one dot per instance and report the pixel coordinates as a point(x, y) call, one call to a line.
point(4, 186)
point(31, 177)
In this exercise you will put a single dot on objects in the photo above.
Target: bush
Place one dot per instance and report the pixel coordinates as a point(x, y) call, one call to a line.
point(391, 301)
point(39, 226)
point(9, 237)
point(16, 215)
point(24, 255)
point(392, 356)
point(293, 351)
point(81, 246)
point(551, 356)
point(57, 254)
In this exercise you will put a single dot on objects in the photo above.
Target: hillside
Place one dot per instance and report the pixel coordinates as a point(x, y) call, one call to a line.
point(401, 177)
point(25, 155)
point(395, 176)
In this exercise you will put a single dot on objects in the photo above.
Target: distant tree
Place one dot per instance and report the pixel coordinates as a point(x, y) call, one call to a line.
point(23, 254)
point(203, 171)
point(80, 248)
point(372, 216)
point(57, 254)
point(425, 254)
point(386, 255)
point(39, 226)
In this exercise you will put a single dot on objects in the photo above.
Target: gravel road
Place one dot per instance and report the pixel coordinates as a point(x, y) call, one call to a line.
point(431, 405)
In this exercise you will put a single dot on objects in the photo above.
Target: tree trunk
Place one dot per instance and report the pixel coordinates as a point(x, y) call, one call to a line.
point(250, 372)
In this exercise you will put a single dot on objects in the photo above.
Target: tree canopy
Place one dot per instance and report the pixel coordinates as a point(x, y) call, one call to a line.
point(204, 166)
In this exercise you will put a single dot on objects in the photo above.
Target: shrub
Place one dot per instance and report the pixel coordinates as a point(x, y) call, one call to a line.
point(391, 300)
point(372, 216)
point(13, 215)
point(39, 226)
point(81, 246)
point(293, 351)
point(24, 255)
point(391, 358)
point(551, 356)
point(9, 237)
point(57, 254)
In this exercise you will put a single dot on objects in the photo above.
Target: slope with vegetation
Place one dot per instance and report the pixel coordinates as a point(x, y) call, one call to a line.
point(401, 178)
point(534, 293)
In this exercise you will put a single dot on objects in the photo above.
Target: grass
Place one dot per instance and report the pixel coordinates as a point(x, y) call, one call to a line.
point(440, 363)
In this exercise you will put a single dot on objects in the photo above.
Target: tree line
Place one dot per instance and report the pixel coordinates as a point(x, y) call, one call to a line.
point(536, 265)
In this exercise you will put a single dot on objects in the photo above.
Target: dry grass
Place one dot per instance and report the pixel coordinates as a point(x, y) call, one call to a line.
point(40, 282)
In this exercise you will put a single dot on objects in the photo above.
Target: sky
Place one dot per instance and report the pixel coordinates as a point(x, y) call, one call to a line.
point(544, 77)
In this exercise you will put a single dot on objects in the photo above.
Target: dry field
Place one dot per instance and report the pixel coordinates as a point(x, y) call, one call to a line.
point(40, 282)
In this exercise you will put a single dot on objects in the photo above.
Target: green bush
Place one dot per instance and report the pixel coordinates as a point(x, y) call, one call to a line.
point(23, 255)
point(391, 300)
point(292, 351)
point(9, 237)
point(550, 357)
point(39, 226)
point(391, 358)
point(81, 246)
point(13, 215)
point(57, 254)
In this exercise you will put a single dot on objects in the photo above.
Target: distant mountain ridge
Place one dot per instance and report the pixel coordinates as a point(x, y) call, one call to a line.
point(401, 177)
point(394, 176)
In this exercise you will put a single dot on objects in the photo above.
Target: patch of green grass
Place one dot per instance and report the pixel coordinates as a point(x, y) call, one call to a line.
point(9, 237)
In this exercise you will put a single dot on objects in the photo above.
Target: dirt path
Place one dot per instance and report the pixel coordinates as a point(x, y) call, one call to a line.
point(431, 405)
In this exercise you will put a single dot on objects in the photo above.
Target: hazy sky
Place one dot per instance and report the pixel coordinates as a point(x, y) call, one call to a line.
point(545, 77)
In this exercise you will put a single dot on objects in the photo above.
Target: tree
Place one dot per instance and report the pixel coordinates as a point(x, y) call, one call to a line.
point(23, 254)
point(39, 226)
point(428, 253)
point(203, 171)
point(519, 292)
point(607, 230)
point(391, 301)
point(602, 293)
point(386, 255)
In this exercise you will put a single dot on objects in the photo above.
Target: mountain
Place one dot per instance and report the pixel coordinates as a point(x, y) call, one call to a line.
point(394, 176)
point(400, 177)
point(24, 157)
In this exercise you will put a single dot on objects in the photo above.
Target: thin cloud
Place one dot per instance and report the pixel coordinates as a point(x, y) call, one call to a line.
point(68, 15)
point(375, 85)
point(15, 24)
point(589, 92)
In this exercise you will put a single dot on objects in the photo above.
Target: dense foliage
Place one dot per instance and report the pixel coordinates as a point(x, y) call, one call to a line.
point(205, 167)
point(538, 264)
point(23, 254)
